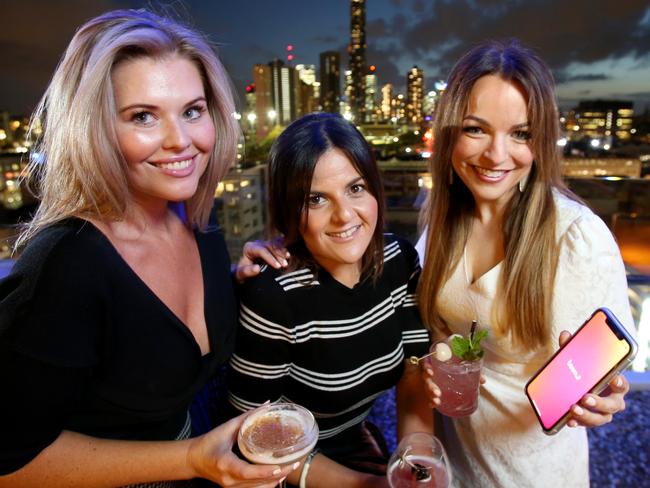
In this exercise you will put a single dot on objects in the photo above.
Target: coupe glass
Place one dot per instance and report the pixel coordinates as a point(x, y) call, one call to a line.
point(279, 433)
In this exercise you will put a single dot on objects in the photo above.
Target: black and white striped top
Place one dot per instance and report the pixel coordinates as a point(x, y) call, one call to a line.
point(322, 345)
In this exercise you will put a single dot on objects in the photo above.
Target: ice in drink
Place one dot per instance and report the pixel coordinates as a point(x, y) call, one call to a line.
point(458, 381)
point(279, 433)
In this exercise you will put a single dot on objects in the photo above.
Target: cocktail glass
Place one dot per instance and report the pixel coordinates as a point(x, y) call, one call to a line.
point(278, 433)
point(419, 461)
point(458, 381)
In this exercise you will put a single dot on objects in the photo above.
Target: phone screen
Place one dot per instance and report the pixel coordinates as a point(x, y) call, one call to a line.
point(577, 368)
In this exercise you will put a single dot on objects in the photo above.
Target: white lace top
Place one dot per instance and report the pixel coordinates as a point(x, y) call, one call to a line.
point(502, 443)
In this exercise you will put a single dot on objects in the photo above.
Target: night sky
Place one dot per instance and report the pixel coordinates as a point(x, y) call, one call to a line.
point(597, 48)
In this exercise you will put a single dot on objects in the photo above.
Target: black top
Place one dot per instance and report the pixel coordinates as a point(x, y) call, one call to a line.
point(86, 346)
point(333, 349)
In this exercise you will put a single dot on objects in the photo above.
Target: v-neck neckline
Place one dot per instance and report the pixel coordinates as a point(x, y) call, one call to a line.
point(183, 326)
point(475, 282)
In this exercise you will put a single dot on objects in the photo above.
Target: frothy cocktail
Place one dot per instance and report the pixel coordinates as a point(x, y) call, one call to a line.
point(279, 433)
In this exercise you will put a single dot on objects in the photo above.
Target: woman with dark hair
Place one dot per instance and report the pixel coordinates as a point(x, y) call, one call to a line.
point(331, 332)
point(507, 245)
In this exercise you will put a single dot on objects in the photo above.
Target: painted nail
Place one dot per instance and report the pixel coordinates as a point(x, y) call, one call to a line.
point(295, 465)
point(619, 382)
point(277, 472)
point(590, 401)
point(578, 410)
point(285, 263)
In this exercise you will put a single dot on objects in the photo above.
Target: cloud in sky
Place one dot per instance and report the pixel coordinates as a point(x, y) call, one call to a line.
point(583, 41)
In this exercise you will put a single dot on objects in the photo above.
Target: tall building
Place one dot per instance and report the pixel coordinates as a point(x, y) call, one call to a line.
point(263, 100)
point(330, 81)
point(345, 108)
point(386, 106)
point(414, 95)
point(285, 89)
point(370, 103)
point(308, 97)
point(605, 120)
point(357, 63)
point(429, 103)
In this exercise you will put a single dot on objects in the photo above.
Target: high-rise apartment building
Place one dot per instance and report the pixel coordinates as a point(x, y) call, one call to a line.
point(414, 95)
point(357, 62)
point(330, 81)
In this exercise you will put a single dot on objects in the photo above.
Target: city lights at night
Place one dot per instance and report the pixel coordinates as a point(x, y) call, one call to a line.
point(383, 65)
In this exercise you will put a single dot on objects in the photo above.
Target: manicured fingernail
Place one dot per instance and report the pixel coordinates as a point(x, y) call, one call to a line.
point(578, 410)
point(436, 401)
point(437, 392)
point(295, 465)
point(277, 472)
point(572, 423)
point(285, 262)
point(288, 255)
point(619, 382)
point(590, 401)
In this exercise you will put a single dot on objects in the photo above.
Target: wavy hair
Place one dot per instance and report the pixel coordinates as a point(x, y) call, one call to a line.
point(80, 170)
point(523, 312)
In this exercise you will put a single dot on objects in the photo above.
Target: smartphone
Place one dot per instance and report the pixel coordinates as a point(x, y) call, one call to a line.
point(599, 349)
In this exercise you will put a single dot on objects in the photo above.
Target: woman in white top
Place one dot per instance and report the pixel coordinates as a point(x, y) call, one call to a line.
point(508, 245)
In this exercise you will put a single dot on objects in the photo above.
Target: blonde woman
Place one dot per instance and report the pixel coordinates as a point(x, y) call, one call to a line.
point(121, 307)
point(507, 245)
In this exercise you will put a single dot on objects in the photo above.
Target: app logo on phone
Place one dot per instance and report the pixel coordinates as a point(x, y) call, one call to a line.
point(573, 370)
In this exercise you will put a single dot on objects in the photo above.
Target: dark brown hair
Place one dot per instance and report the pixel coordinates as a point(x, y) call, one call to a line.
point(292, 160)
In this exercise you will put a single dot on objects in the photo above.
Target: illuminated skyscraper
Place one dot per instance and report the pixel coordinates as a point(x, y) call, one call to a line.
point(330, 81)
point(357, 64)
point(414, 95)
point(386, 98)
point(285, 87)
point(263, 99)
point(370, 102)
point(308, 100)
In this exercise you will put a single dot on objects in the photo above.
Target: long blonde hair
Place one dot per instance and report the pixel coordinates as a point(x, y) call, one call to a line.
point(80, 170)
point(531, 251)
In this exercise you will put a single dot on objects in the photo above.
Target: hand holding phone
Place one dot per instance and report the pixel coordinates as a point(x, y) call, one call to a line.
point(599, 350)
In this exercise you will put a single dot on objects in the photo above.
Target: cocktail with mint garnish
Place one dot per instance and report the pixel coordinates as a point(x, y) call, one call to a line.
point(456, 364)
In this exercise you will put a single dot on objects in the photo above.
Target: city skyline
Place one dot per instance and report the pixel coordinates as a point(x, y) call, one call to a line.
point(597, 49)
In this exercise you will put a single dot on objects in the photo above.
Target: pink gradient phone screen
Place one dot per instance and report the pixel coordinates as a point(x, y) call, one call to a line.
point(592, 353)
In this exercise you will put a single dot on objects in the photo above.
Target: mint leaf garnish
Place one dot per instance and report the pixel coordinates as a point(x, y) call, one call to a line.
point(469, 349)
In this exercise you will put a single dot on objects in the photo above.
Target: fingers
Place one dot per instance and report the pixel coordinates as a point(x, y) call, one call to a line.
point(246, 271)
point(594, 410)
point(269, 252)
point(564, 337)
